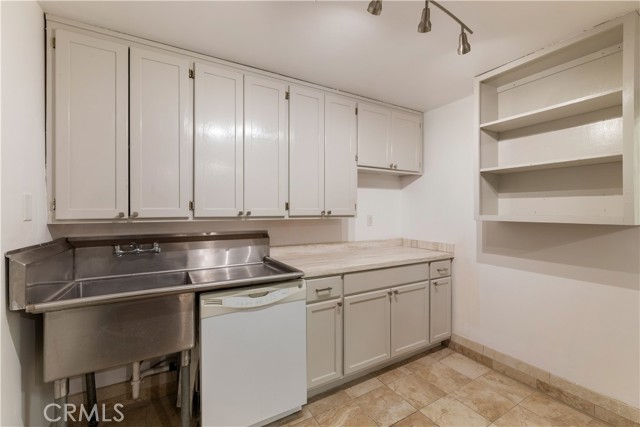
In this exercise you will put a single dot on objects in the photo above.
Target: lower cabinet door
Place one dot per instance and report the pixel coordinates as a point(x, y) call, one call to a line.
point(324, 342)
point(409, 317)
point(440, 309)
point(367, 330)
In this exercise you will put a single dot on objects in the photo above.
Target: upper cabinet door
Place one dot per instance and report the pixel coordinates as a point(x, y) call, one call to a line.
point(374, 132)
point(90, 140)
point(306, 152)
point(406, 141)
point(265, 147)
point(341, 172)
point(160, 135)
point(218, 159)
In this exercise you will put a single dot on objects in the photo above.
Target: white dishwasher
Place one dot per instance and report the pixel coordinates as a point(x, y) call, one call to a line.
point(253, 354)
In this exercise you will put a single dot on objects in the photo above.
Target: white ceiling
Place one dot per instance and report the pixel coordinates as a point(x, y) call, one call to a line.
point(338, 44)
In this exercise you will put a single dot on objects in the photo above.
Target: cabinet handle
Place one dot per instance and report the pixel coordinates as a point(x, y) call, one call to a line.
point(389, 293)
point(240, 213)
point(391, 165)
point(120, 214)
point(329, 213)
point(395, 166)
point(396, 292)
point(322, 213)
point(324, 289)
point(134, 214)
point(440, 270)
point(248, 213)
point(339, 304)
point(439, 283)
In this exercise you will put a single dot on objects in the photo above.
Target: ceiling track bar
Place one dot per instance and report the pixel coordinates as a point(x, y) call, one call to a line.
point(454, 17)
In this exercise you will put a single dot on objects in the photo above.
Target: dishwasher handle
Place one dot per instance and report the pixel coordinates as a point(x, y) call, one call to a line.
point(249, 300)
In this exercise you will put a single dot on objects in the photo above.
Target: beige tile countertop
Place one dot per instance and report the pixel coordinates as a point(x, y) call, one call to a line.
point(338, 258)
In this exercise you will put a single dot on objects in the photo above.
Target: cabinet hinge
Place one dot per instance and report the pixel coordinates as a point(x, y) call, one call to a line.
point(53, 205)
point(286, 95)
point(356, 207)
point(191, 206)
point(192, 74)
point(356, 157)
point(53, 42)
point(286, 206)
point(356, 111)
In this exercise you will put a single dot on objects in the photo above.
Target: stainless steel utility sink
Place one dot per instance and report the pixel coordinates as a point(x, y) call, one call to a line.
point(49, 292)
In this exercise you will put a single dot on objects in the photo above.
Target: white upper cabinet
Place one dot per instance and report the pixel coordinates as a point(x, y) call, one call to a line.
point(160, 170)
point(265, 147)
point(389, 139)
point(306, 152)
point(406, 141)
point(340, 148)
point(218, 142)
point(374, 134)
point(90, 149)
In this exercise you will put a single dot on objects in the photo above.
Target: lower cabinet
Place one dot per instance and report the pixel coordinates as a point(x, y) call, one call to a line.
point(440, 291)
point(384, 324)
point(367, 328)
point(324, 342)
point(409, 318)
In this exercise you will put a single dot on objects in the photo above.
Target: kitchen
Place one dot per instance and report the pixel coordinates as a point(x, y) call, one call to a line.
point(557, 296)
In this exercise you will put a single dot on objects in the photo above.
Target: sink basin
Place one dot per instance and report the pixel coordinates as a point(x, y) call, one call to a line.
point(61, 291)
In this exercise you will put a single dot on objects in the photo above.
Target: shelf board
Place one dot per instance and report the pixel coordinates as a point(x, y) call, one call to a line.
point(575, 107)
point(560, 219)
point(595, 160)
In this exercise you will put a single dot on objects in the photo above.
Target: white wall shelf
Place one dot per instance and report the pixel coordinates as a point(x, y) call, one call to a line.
point(556, 132)
point(587, 104)
point(553, 165)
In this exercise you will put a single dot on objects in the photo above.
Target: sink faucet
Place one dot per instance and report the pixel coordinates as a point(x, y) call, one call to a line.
point(135, 249)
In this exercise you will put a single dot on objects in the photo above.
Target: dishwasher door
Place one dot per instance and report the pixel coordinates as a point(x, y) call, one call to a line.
point(253, 354)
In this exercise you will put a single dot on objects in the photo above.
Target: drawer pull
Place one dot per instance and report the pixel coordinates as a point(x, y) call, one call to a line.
point(329, 288)
point(439, 283)
point(396, 292)
point(440, 270)
point(339, 304)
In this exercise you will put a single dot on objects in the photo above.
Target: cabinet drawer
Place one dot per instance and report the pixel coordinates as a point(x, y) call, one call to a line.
point(324, 289)
point(440, 269)
point(385, 278)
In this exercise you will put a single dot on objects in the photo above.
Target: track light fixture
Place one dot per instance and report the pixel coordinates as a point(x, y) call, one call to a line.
point(463, 44)
point(375, 8)
point(425, 21)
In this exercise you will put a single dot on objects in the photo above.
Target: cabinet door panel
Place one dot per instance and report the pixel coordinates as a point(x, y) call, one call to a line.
point(367, 330)
point(90, 140)
point(160, 135)
point(340, 147)
point(440, 312)
point(218, 142)
point(265, 147)
point(409, 317)
point(306, 152)
point(374, 133)
point(406, 141)
point(324, 342)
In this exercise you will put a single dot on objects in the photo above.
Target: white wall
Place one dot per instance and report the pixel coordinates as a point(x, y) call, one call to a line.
point(564, 298)
point(22, 171)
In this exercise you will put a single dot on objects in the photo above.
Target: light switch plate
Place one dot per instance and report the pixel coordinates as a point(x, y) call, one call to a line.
point(27, 207)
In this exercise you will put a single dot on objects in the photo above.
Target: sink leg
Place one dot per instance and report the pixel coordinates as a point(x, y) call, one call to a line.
point(92, 401)
point(185, 391)
point(60, 393)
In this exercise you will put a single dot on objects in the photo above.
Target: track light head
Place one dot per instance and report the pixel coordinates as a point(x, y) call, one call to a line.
point(375, 7)
point(463, 44)
point(425, 22)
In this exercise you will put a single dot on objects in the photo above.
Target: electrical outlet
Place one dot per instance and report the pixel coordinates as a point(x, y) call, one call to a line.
point(369, 220)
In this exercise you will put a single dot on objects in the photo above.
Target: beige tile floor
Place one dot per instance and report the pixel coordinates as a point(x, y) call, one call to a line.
point(442, 388)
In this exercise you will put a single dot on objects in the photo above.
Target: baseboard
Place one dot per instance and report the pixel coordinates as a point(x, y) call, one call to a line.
point(597, 405)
